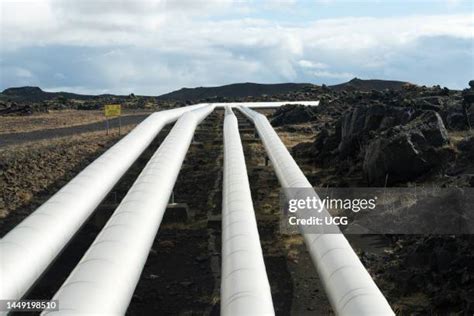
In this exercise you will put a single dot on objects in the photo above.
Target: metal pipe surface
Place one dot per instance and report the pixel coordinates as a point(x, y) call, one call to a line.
point(104, 280)
point(348, 285)
point(29, 248)
point(244, 283)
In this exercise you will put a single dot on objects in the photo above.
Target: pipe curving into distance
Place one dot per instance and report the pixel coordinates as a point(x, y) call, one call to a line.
point(349, 286)
point(266, 104)
point(244, 284)
point(104, 280)
point(29, 248)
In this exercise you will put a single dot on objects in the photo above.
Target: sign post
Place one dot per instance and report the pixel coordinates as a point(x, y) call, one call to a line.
point(112, 110)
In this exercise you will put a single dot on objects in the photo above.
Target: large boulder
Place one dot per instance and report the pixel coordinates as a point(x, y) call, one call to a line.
point(16, 109)
point(434, 103)
point(293, 114)
point(405, 152)
point(355, 125)
point(321, 149)
point(324, 145)
point(456, 121)
point(466, 148)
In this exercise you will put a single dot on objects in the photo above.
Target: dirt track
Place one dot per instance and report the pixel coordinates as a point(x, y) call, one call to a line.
point(23, 137)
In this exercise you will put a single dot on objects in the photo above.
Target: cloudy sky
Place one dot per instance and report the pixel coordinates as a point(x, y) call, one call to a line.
point(156, 46)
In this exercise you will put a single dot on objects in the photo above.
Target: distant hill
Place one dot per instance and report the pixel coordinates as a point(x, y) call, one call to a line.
point(237, 90)
point(368, 85)
point(35, 94)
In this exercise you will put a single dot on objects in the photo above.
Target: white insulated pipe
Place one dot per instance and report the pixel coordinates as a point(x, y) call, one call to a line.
point(266, 104)
point(350, 288)
point(104, 280)
point(244, 284)
point(29, 248)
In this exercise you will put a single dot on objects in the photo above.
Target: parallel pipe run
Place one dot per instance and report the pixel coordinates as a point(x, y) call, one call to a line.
point(349, 287)
point(244, 285)
point(266, 104)
point(104, 280)
point(28, 249)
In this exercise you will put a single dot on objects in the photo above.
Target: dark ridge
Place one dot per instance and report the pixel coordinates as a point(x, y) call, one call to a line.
point(237, 90)
point(370, 84)
point(233, 91)
point(35, 94)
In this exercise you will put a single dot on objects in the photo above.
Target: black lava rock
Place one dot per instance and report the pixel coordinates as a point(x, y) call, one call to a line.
point(405, 152)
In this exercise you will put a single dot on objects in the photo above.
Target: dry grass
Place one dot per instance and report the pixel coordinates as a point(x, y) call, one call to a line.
point(92, 138)
point(407, 303)
point(292, 244)
point(291, 139)
point(53, 119)
point(456, 136)
point(30, 168)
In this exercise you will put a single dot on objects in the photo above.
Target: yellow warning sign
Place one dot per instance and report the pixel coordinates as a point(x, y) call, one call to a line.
point(113, 110)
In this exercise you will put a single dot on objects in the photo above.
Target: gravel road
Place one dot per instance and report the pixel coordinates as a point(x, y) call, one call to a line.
point(19, 138)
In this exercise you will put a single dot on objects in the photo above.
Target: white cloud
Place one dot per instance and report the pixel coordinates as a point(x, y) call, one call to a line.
point(77, 89)
point(153, 22)
point(324, 2)
point(335, 75)
point(312, 65)
point(167, 44)
point(23, 73)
